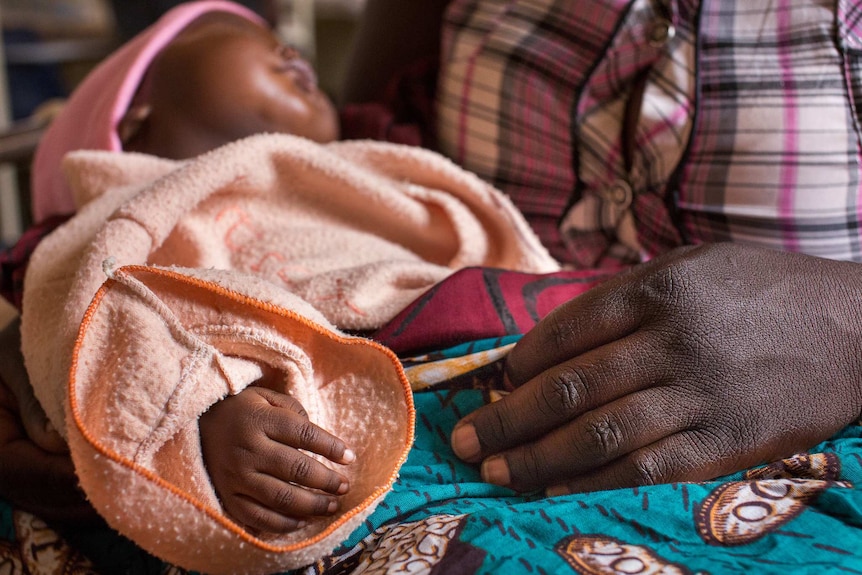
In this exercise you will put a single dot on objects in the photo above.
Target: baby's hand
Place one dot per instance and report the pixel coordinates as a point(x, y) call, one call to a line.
point(251, 447)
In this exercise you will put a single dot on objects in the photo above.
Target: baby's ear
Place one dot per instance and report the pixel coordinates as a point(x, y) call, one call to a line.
point(132, 121)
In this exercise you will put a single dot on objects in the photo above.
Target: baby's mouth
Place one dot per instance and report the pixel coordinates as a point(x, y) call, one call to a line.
point(303, 74)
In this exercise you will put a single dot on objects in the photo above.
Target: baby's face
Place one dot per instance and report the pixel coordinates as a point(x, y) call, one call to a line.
point(225, 78)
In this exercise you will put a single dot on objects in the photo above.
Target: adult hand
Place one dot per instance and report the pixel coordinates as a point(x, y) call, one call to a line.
point(251, 445)
point(699, 363)
point(36, 472)
point(14, 375)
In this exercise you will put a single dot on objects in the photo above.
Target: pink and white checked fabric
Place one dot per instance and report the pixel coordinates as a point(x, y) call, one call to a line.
point(623, 128)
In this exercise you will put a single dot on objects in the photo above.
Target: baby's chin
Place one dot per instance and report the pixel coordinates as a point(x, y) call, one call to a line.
point(326, 128)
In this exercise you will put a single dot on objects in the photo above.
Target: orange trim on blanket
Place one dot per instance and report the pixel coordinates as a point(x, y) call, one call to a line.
point(267, 307)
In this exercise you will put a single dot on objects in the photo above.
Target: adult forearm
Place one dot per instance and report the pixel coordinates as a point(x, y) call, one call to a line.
point(13, 375)
point(36, 473)
point(12, 371)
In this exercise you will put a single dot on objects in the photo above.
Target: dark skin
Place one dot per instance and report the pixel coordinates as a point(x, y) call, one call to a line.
point(251, 442)
point(702, 362)
point(705, 361)
point(32, 452)
point(256, 444)
point(391, 36)
point(188, 103)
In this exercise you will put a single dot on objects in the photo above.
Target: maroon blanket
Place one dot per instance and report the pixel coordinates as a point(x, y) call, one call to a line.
point(479, 303)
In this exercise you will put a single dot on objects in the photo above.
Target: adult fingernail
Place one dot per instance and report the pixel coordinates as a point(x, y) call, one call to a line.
point(507, 383)
point(557, 490)
point(495, 470)
point(465, 442)
point(333, 507)
point(342, 489)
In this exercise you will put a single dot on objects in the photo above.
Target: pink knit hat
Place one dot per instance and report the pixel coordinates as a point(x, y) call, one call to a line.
point(88, 121)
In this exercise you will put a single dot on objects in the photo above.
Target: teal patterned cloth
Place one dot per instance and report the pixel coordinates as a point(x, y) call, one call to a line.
point(800, 515)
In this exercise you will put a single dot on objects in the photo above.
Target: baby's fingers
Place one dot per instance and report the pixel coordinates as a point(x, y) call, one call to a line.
point(289, 465)
point(276, 506)
point(292, 427)
point(305, 435)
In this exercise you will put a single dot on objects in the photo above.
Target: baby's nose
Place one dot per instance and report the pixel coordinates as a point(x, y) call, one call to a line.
point(289, 52)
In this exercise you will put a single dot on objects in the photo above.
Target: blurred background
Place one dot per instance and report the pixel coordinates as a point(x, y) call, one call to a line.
point(49, 45)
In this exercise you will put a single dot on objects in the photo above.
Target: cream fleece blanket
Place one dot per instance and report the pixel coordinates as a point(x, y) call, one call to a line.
point(258, 252)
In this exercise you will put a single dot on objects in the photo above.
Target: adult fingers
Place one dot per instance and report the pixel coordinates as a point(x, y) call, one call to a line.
point(38, 428)
point(43, 483)
point(593, 440)
point(268, 504)
point(14, 379)
point(606, 313)
point(596, 318)
point(684, 456)
point(559, 395)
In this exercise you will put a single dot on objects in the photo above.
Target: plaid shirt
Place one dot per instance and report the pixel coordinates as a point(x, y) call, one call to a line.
point(624, 128)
